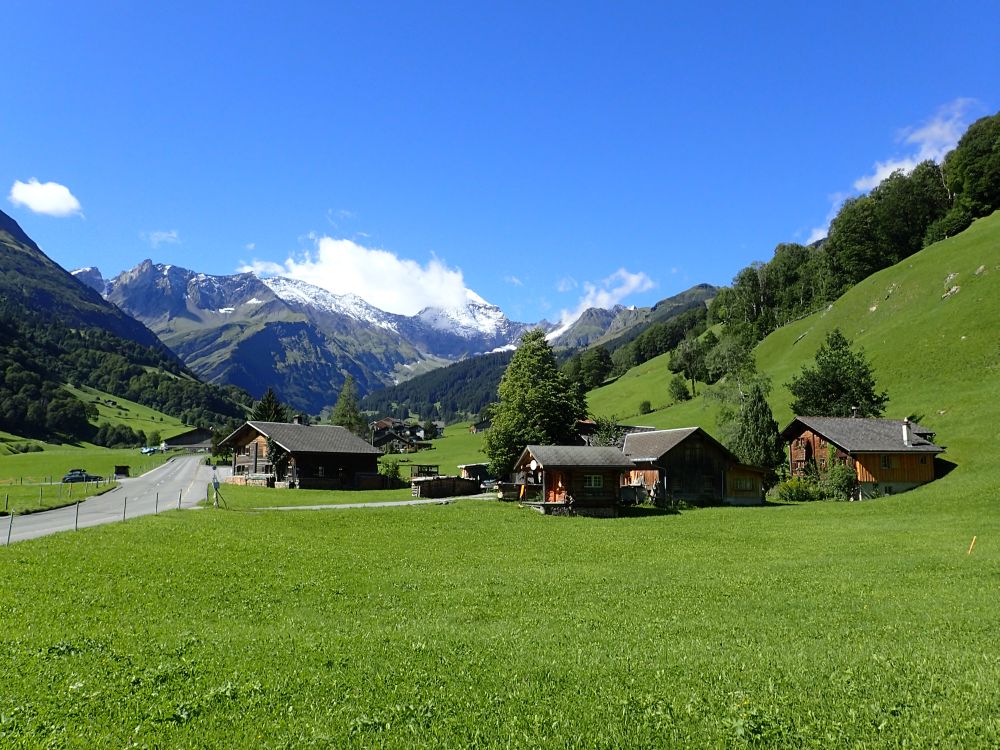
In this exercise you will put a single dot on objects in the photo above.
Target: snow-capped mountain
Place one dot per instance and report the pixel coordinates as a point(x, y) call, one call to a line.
point(478, 317)
point(296, 337)
point(301, 293)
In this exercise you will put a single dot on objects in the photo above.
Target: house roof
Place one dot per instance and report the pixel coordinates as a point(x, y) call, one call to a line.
point(578, 456)
point(859, 435)
point(299, 438)
point(391, 435)
point(654, 445)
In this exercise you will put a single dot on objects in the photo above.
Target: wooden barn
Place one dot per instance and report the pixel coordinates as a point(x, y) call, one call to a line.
point(319, 456)
point(689, 464)
point(571, 478)
point(891, 455)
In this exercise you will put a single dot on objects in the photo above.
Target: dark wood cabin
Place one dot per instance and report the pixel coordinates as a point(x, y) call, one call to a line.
point(571, 478)
point(689, 464)
point(323, 457)
point(198, 439)
point(890, 455)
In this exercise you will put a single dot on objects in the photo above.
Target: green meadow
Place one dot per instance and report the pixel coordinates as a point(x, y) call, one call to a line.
point(480, 624)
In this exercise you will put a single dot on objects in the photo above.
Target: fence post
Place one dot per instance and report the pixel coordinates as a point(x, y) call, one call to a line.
point(156, 507)
point(179, 499)
point(76, 521)
point(124, 507)
point(6, 501)
point(10, 527)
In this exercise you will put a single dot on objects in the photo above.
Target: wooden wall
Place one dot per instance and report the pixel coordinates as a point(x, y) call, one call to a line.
point(903, 468)
point(572, 483)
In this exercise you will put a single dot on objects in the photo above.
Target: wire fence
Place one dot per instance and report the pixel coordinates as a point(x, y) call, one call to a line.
point(95, 511)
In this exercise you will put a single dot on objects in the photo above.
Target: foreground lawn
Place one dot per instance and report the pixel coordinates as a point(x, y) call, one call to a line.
point(245, 498)
point(481, 624)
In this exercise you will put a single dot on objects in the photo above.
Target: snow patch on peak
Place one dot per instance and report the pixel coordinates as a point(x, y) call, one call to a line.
point(305, 294)
point(475, 318)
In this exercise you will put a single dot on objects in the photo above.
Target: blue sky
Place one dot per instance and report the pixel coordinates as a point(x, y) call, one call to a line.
point(546, 155)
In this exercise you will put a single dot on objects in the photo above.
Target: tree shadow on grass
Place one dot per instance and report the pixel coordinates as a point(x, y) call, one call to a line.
point(645, 511)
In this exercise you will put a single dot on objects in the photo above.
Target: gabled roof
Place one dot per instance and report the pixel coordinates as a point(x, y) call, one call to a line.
point(860, 435)
point(576, 456)
point(654, 445)
point(299, 438)
point(390, 435)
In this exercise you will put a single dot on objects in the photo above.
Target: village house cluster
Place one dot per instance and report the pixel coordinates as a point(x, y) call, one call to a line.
point(663, 466)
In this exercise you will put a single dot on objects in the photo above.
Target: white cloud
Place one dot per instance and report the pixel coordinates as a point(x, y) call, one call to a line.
point(566, 284)
point(250, 246)
point(608, 293)
point(49, 198)
point(513, 280)
point(160, 237)
point(380, 277)
point(818, 233)
point(930, 141)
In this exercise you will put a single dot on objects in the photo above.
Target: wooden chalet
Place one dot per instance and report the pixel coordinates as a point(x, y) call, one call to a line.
point(689, 464)
point(892, 455)
point(479, 472)
point(320, 456)
point(568, 479)
point(198, 439)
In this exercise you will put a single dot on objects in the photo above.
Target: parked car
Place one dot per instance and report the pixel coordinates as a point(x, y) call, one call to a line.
point(80, 475)
point(489, 485)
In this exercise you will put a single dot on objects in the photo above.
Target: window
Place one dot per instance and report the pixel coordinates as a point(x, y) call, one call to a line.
point(923, 459)
point(321, 471)
point(886, 462)
point(744, 484)
point(593, 481)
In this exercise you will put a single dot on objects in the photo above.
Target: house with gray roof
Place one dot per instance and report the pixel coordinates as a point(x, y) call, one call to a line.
point(318, 456)
point(689, 464)
point(891, 455)
point(563, 479)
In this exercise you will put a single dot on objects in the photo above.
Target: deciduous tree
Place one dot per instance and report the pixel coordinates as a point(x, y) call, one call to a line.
point(537, 405)
point(841, 382)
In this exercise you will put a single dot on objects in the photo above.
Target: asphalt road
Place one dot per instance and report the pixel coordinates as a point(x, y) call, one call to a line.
point(180, 482)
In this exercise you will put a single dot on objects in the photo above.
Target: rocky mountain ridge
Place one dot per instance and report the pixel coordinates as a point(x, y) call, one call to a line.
point(299, 338)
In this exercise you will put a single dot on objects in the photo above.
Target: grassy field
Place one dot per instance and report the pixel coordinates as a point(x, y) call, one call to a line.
point(247, 498)
point(458, 446)
point(51, 464)
point(481, 624)
point(33, 497)
point(129, 413)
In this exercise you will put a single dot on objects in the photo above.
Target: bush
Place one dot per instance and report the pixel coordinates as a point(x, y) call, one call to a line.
point(389, 468)
point(840, 482)
point(645, 407)
point(798, 491)
point(678, 388)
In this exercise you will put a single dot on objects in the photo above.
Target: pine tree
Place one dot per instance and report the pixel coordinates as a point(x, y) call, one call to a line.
point(347, 413)
point(756, 441)
point(269, 409)
point(538, 405)
point(841, 382)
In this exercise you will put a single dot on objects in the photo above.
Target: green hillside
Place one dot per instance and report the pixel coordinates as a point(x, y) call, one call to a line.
point(937, 356)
